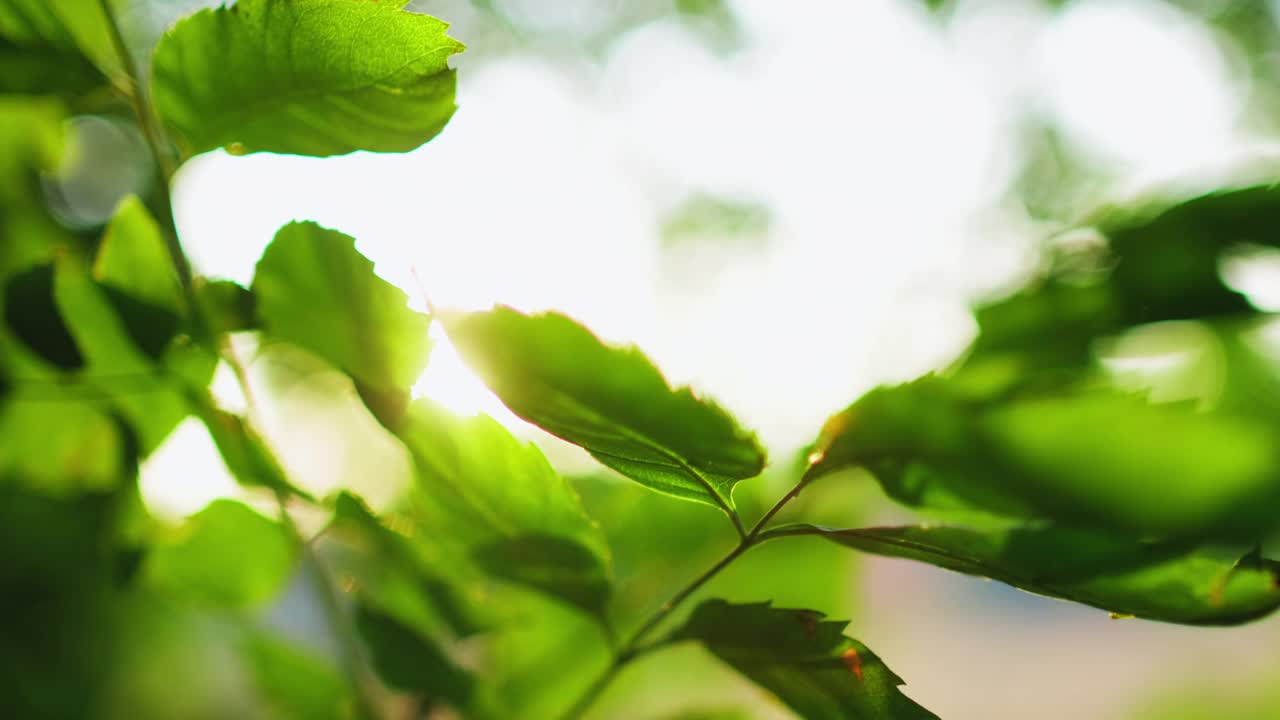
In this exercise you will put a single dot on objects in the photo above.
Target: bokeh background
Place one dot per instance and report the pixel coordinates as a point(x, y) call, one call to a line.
point(783, 204)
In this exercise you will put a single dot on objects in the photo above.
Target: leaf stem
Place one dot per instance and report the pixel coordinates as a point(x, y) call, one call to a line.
point(634, 649)
point(154, 137)
point(805, 479)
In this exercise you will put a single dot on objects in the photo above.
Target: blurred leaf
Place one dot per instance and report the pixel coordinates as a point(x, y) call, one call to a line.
point(537, 666)
point(1047, 326)
point(135, 360)
point(244, 451)
point(62, 449)
point(710, 714)
point(227, 555)
point(133, 259)
point(293, 684)
point(410, 662)
point(57, 580)
point(1087, 457)
point(1167, 265)
point(714, 219)
point(69, 26)
point(498, 498)
point(314, 289)
point(26, 70)
point(1157, 581)
point(32, 139)
point(308, 77)
point(32, 315)
point(227, 306)
point(807, 662)
point(403, 576)
point(612, 401)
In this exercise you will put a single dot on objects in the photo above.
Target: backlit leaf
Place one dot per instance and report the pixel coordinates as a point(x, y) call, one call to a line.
point(315, 290)
point(307, 77)
point(499, 500)
point(226, 555)
point(612, 401)
point(133, 258)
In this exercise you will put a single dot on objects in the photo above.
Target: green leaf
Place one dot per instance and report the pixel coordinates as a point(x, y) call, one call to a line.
point(293, 683)
point(243, 450)
point(134, 358)
point(409, 662)
point(58, 579)
point(32, 315)
point(44, 70)
point(32, 139)
point(1157, 581)
point(227, 306)
point(1076, 455)
point(69, 26)
point(134, 260)
point(498, 499)
point(1167, 264)
point(806, 661)
point(308, 77)
point(315, 290)
point(612, 401)
point(227, 555)
point(407, 577)
point(62, 449)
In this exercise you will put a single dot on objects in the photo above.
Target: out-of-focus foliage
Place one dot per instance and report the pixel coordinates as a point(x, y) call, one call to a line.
point(1157, 581)
point(489, 585)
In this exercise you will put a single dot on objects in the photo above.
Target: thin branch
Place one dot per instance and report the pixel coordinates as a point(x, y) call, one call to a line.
point(154, 136)
point(805, 479)
point(634, 647)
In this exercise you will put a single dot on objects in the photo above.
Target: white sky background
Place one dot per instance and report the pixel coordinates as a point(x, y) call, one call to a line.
point(881, 141)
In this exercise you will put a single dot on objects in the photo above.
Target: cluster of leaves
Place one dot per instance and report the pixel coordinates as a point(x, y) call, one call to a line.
point(1067, 483)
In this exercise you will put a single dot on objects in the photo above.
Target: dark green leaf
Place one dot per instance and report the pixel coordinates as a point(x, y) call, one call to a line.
point(612, 401)
point(1078, 455)
point(499, 500)
point(62, 449)
point(57, 580)
point(226, 555)
point(293, 683)
point(26, 70)
point(69, 26)
point(806, 661)
point(227, 306)
point(33, 317)
point(1167, 265)
point(403, 576)
point(308, 77)
point(133, 259)
point(410, 662)
point(1157, 581)
point(132, 361)
point(315, 290)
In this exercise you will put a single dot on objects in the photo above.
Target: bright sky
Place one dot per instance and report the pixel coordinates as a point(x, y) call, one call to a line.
point(879, 140)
